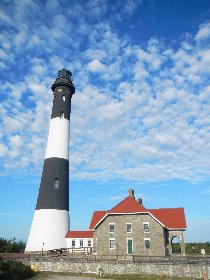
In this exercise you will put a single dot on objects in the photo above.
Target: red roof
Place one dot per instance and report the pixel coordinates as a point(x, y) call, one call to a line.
point(97, 216)
point(79, 234)
point(128, 205)
point(168, 217)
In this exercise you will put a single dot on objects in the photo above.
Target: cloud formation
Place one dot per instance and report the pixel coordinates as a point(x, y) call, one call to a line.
point(139, 113)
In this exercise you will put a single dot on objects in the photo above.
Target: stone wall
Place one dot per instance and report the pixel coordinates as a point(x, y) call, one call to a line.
point(179, 270)
point(156, 235)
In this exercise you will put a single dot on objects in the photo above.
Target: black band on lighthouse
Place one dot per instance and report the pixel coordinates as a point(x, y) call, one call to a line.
point(61, 103)
point(54, 187)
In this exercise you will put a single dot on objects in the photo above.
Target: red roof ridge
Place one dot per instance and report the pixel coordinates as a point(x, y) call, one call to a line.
point(128, 205)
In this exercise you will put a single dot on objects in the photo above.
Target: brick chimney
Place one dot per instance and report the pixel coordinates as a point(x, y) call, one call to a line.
point(139, 200)
point(131, 192)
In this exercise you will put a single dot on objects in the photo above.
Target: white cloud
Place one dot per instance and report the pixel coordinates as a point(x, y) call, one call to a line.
point(204, 32)
point(5, 18)
point(143, 115)
point(95, 66)
point(3, 149)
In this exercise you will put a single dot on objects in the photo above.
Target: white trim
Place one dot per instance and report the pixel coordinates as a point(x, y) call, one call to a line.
point(138, 213)
point(107, 214)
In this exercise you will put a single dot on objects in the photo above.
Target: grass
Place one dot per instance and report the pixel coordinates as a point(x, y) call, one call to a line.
point(48, 275)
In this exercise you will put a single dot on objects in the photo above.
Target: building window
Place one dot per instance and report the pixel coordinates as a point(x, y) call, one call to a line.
point(73, 243)
point(129, 228)
point(56, 183)
point(146, 227)
point(147, 243)
point(64, 98)
point(112, 243)
point(62, 115)
point(81, 243)
point(111, 227)
point(89, 243)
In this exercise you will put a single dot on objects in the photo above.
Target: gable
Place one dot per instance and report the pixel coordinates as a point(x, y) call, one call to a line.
point(171, 218)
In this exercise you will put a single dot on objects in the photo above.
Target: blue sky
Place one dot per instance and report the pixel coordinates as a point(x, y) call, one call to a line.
point(140, 115)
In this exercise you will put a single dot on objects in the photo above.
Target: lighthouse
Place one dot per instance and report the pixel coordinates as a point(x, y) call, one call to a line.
point(51, 218)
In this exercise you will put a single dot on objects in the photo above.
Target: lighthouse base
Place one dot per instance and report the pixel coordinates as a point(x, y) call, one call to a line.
point(48, 230)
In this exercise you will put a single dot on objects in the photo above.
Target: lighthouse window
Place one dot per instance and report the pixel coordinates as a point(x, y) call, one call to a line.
point(56, 183)
point(64, 97)
point(62, 115)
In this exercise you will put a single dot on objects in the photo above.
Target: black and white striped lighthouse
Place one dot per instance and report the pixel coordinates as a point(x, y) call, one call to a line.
point(51, 218)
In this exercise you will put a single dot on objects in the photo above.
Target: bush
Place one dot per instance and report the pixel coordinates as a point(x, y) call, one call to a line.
point(14, 270)
point(11, 246)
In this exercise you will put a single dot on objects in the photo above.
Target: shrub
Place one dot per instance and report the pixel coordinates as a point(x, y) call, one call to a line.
point(14, 270)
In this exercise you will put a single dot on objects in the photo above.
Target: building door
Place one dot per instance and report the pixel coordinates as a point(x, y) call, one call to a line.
point(130, 246)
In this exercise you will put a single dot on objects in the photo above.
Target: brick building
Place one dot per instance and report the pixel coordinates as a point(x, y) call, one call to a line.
point(130, 228)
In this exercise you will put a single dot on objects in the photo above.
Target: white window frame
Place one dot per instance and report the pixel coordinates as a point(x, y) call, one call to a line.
point(146, 223)
point(89, 243)
point(112, 239)
point(147, 239)
point(111, 224)
point(81, 241)
point(73, 240)
point(127, 227)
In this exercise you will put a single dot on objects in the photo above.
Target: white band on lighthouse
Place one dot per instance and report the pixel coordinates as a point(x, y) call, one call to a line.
point(48, 226)
point(58, 139)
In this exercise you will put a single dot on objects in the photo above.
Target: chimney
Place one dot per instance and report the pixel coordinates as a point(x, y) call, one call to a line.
point(139, 200)
point(131, 192)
